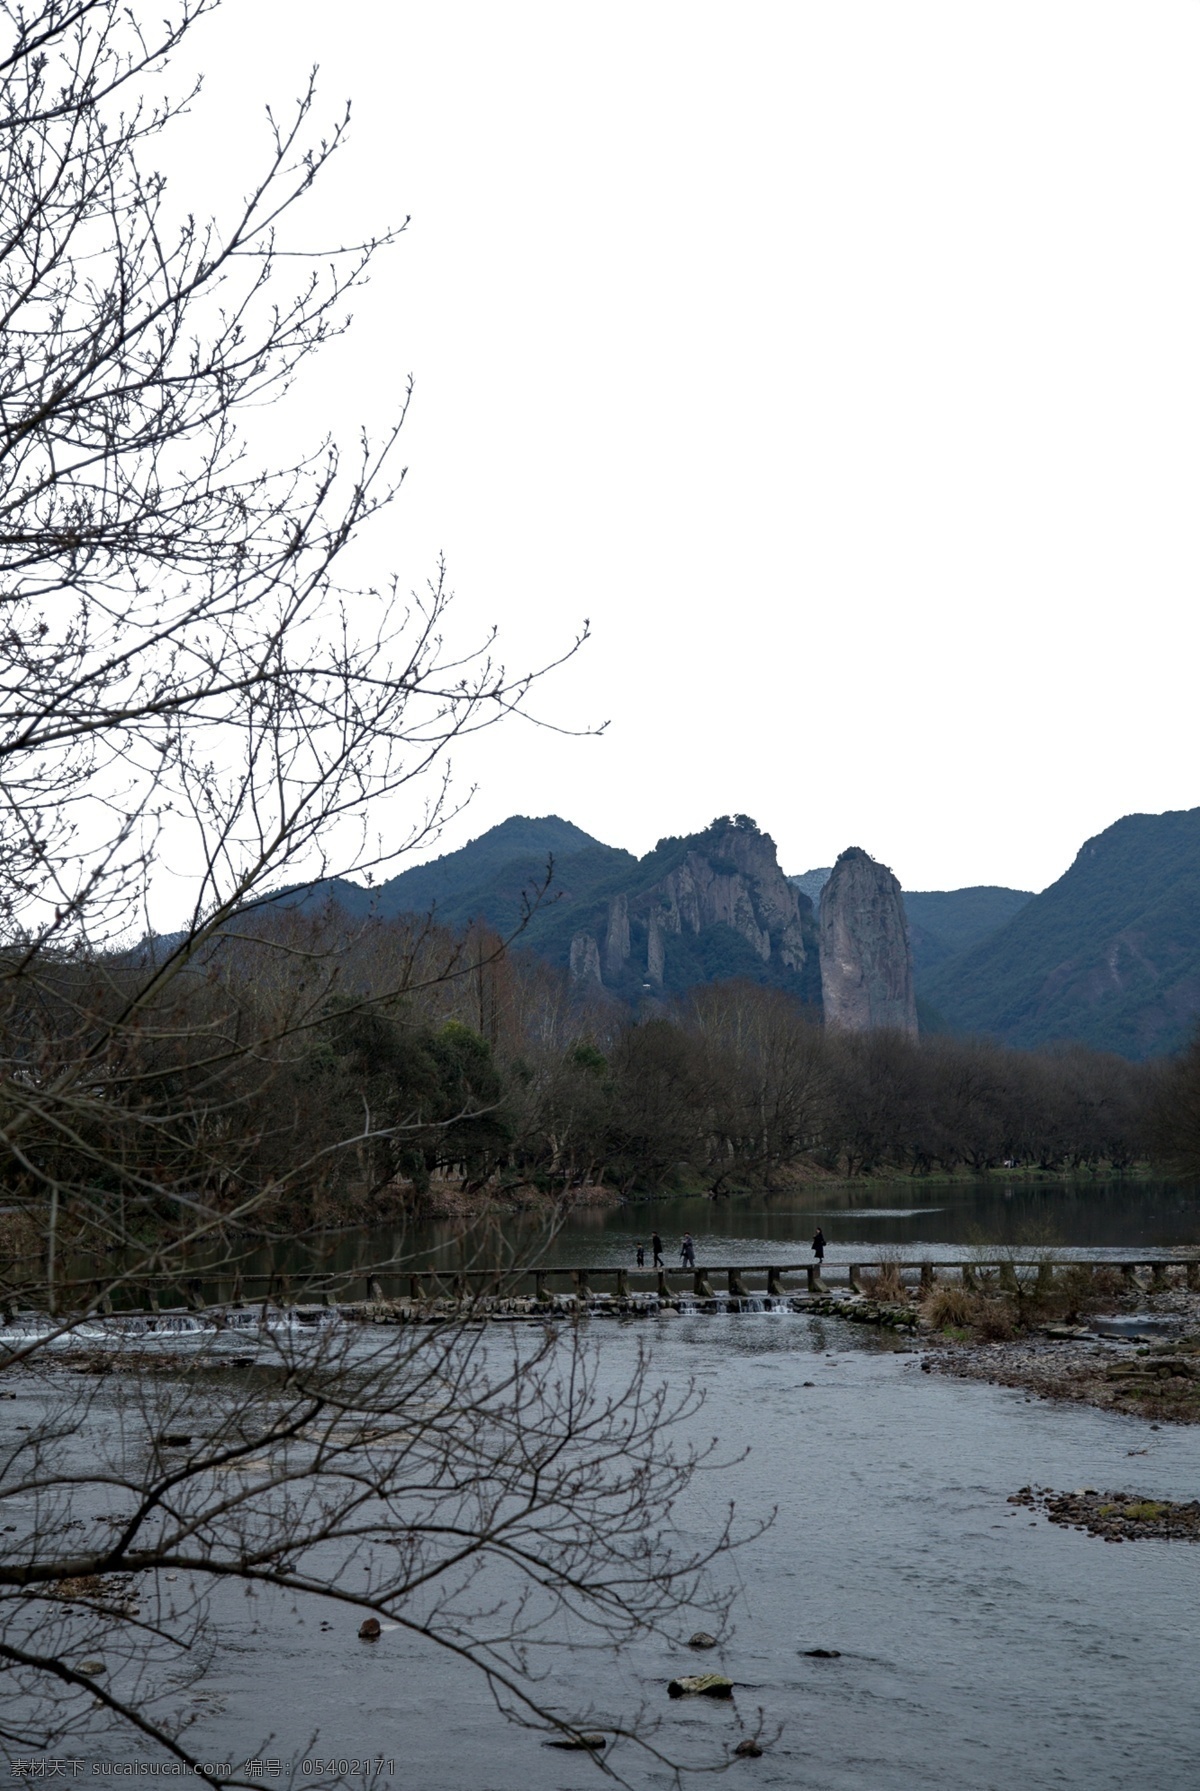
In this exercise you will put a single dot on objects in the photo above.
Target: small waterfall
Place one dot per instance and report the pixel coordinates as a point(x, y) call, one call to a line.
point(119, 1330)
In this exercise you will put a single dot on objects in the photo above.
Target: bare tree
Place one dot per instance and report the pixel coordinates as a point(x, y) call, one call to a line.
point(483, 1494)
point(184, 669)
point(767, 1082)
point(181, 665)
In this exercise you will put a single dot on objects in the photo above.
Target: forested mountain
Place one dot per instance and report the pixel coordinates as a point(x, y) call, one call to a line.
point(698, 908)
point(1109, 955)
point(944, 922)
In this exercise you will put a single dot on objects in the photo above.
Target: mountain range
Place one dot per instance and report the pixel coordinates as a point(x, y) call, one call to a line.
point(1109, 955)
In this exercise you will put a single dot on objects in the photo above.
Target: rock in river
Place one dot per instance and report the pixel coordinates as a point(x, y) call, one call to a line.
point(702, 1639)
point(708, 1685)
point(369, 1630)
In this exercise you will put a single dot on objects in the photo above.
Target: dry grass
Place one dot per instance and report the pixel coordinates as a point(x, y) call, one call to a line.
point(950, 1308)
point(886, 1282)
point(994, 1321)
point(957, 1308)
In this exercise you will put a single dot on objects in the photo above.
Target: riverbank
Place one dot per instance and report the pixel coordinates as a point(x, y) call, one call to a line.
point(1146, 1373)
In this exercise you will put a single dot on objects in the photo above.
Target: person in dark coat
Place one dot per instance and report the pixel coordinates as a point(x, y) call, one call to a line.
point(656, 1246)
point(641, 1256)
point(819, 1246)
point(687, 1251)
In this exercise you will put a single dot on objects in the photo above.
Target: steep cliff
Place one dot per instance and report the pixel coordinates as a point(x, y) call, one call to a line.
point(616, 937)
point(727, 878)
point(584, 961)
point(866, 959)
point(709, 905)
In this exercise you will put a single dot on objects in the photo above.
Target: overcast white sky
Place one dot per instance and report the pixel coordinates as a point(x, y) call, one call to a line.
point(840, 360)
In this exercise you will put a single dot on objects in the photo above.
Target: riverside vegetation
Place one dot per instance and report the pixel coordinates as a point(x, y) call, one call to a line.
point(482, 1077)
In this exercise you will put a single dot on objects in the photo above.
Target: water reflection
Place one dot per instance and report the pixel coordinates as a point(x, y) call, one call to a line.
point(1116, 1216)
point(859, 1221)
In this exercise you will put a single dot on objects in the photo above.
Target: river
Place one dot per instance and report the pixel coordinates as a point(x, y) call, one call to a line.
point(912, 1219)
point(978, 1645)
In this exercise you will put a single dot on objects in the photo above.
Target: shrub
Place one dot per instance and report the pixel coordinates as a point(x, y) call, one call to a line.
point(994, 1321)
point(886, 1282)
point(950, 1308)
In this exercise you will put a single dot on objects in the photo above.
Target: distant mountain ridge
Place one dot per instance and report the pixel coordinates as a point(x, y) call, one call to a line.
point(944, 922)
point(811, 883)
point(697, 909)
point(1109, 954)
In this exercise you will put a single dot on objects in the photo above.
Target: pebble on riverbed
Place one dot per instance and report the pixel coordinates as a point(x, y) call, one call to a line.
point(1159, 1380)
point(1116, 1516)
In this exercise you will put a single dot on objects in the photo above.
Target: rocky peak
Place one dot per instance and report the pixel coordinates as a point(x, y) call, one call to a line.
point(585, 961)
point(616, 938)
point(866, 958)
point(729, 876)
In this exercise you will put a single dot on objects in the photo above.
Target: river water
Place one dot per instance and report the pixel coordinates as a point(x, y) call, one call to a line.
point(913, 1220)
point(980, 1646)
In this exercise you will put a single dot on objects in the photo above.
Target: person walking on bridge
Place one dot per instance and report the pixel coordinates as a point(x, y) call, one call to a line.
point(687, 1251)
point(818, 1247)
point(656, 1246)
